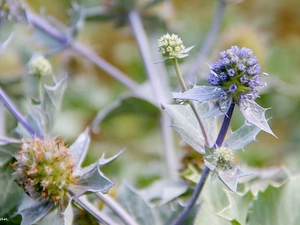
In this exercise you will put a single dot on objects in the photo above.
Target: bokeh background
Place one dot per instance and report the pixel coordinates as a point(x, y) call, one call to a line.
point(271, 28)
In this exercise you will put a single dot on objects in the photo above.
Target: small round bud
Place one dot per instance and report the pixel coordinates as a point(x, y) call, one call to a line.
point(223, 158)
point(39, 169)
point(39, 67)
point(171, 46)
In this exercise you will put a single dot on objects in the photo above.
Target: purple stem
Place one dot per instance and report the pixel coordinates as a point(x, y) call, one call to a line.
point(14, 111)
point(205, 172)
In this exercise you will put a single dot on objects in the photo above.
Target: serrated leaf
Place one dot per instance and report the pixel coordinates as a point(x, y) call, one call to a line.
point(43, 116)
point(163, 191)
point(8, 148)
point(255, 114)
point(238, 208)
point(80, 147)
point(10, 192)
point(198, 93)
point(103, 161)
point(242, 137)
point(134, 204)
point(231, 177)
point(184, 121)
point(35, 212)
point(277, 205)
point(93, 180)
point(214, 200)
point(55, 93)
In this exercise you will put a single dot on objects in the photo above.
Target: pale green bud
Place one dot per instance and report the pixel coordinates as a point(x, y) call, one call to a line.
point(39, 66)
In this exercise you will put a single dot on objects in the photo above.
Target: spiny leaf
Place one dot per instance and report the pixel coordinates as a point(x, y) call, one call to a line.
point(10, 192)
point(93, 180)
point(8, 148)
point(219, 108)
point(231, 177)
point(214, 200)
point(35, 212)
point(183, 120)
point(242, 137)
point(277, 205)
point(164, 191)
point(255, 114)
point(238, 208)
point(199, 93)
point(79, 148)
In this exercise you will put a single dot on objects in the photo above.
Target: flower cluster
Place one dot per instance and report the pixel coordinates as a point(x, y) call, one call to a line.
point(39, 67)
point(44, 169)
point(237, 73)
point(170, 46)
point(223, 158)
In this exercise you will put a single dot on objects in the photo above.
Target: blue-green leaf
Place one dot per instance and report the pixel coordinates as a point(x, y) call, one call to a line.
point(231, 177)
point(35, 212)
point(277, 205)
point(184, 121)
point(8, 148)
point(93, 180)
point(255, 114)
point(198, 93)
point(242, 137)
point(238, 208)
point(79, 148)
point(10, 192)
point(163, 191)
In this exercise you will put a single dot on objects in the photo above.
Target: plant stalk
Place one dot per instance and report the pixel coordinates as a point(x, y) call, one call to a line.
point(205, 173)
point(192, 104)
point(14, 111)
point(157, 89)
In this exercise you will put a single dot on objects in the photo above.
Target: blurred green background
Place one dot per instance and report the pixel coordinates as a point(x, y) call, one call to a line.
point(271, 28)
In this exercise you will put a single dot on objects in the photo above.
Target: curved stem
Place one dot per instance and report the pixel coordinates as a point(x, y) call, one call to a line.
point(192, 104)
point(209, 39)
point(14, 111)
point(204, 175)
point(193, 200)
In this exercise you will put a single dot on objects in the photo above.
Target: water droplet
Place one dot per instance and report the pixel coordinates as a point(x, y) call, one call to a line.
point(96, 130)
point(104, 191)
point(180, 101)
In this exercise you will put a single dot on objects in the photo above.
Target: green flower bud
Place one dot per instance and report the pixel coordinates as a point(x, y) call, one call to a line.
point(39, 67)
point(171, 46)
point(44, 169)
point(223, 158)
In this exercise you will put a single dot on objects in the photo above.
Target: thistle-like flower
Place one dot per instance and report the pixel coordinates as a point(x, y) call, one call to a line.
point(39, 66)
point(237, 73)
point(44, 169)
point(235, 78)
point(171, 46)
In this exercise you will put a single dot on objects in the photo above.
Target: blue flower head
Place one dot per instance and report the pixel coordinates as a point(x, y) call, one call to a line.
point(238, 73)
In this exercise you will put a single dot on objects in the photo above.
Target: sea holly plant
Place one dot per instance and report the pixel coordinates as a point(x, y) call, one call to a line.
point(234, 79)
point(47, 170)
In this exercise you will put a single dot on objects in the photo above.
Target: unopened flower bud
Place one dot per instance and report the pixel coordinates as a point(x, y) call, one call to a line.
point(223, 158)
point(39, 67)
point(171, 46)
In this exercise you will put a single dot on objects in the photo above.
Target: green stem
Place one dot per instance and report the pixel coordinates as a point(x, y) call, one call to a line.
point(40, 84)
point(192, 104)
